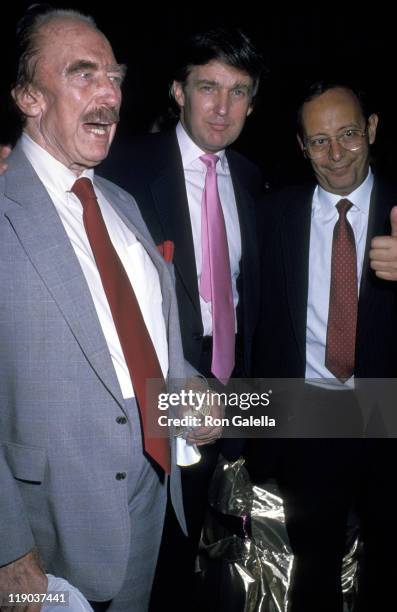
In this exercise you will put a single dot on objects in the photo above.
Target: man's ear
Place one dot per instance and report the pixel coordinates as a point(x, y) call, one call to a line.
point(372, 125)
point(178, 93)
point(300, 141)
point(28, 99)
point(301, 145)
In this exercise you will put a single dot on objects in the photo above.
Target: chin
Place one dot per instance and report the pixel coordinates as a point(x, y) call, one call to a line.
point(93, 161)
point(345, 184)
point(96, 157)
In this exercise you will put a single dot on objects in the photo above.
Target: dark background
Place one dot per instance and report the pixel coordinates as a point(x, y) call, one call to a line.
point(296, 47)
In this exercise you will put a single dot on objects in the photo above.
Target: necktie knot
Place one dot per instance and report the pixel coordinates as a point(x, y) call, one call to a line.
point(210, 160)
point(83, 190)
point(343, 206)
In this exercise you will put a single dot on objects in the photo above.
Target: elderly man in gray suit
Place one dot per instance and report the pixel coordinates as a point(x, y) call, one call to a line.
point(83, 489)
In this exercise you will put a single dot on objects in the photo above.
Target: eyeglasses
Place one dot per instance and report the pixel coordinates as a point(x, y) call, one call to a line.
point(350, 139)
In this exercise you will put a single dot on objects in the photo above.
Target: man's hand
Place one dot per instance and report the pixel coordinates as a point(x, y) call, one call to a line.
point(23, 576)
point(207, 434)
point(4, 153)
point(206, 406)
point(383, 253)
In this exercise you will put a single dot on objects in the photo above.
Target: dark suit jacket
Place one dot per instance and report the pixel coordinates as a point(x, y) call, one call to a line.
point(151, 169)
point(281, 347)
point(280, 342)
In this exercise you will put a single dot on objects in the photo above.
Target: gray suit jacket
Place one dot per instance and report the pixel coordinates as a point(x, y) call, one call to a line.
point(60, 444)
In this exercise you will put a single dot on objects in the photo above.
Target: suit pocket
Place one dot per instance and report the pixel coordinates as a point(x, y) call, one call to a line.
point(26, 462)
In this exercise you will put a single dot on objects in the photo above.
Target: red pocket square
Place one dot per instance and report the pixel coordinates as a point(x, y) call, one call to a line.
point(166, 249)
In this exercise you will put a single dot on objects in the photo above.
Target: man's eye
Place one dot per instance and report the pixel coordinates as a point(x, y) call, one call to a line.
point(207, 88)
point(116, 78)
point(350, 134)
point(86, 75)
point(318, 142)
point(239, 92)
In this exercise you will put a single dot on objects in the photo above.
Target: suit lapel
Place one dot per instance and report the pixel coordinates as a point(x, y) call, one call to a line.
point(248, 283)
point(170, 197)
point(295, 237)
point(43, 237)
point(130, 215)
point(381, 202)
point(247, 218)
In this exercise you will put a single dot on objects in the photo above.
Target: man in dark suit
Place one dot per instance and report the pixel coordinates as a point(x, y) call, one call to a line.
point(317, 330)
point(214, 88)
point(323, 477)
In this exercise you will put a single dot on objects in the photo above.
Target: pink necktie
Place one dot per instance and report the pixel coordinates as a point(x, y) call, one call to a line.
point(216, 278)
point(138, 349)
point(343, 301)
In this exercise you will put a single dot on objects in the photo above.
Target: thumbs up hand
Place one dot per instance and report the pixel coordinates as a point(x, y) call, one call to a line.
point(383, 253)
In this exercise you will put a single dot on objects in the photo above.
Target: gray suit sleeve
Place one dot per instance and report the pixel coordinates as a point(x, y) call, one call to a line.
point(190, 371)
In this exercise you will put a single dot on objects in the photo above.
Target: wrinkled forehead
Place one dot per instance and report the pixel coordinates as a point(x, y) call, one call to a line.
point(65, 40)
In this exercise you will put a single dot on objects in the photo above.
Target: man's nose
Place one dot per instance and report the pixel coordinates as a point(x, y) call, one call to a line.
point(222, 103)
point(336, 150)
point(109, 91)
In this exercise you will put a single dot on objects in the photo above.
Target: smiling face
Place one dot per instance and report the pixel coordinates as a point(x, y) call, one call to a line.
point(339, 170)
point(72, 107)
point(214, 104)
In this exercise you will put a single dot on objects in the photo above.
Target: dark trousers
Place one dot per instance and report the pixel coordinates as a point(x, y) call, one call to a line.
point(174, 585)
point(317, 483)
point(376, 506)
point(321, 481)
point(174, 582)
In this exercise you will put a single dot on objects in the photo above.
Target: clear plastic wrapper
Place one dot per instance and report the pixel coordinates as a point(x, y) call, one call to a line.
point(244, 552)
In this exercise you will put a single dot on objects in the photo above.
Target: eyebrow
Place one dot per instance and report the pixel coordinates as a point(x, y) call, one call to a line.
point(88, 65)
point(216, 83)
point(349, 126)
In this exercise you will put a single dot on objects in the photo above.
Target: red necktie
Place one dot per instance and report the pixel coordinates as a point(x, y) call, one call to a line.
point(134, 337)
point(343, 300)
point(215, 281)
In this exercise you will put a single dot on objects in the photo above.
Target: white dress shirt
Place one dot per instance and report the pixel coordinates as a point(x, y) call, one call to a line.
point(323, 219)
point(195, 172)
point(58, 181)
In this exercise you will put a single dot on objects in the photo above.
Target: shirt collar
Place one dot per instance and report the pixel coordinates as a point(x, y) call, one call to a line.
point(191, 152)
point(325, 202)
point(55, 176)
